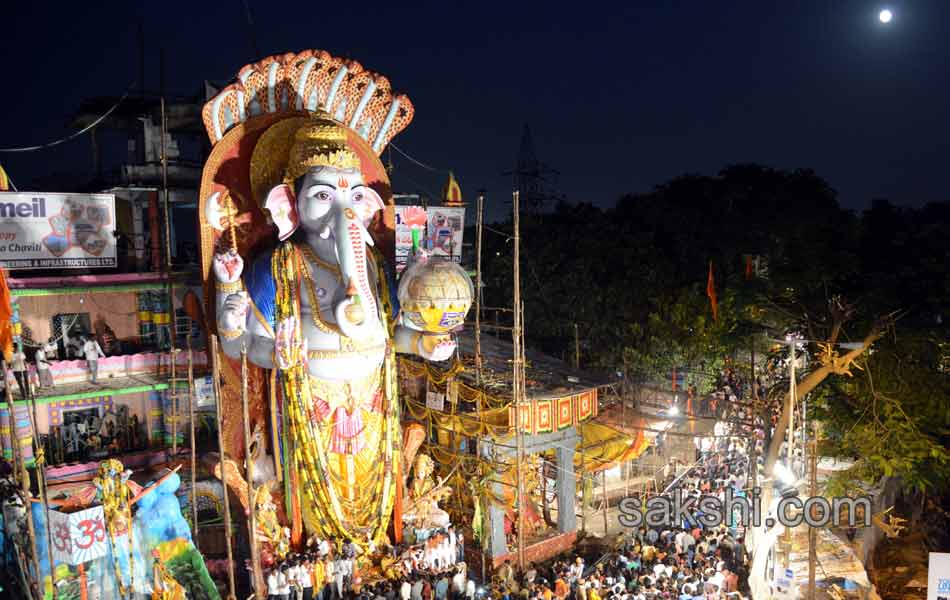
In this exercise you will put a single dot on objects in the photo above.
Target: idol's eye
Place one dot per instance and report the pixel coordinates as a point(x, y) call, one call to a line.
point(321, 193)
point(357, 196)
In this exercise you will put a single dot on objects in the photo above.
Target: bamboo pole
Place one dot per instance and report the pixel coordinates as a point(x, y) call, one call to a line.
point(606, 501)
point(40, 466)
point(257, 576)
point(517, 366)
point(216, 374)
point(191, 435)
point(478, 288)
point(24, 480)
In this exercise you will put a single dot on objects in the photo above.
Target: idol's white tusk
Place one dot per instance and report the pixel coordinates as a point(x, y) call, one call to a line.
point(325, 232)
point(366, 236)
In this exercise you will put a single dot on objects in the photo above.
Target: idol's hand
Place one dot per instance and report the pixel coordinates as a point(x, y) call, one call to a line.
point(436, 347)
point(228, 267)
point(233, 317)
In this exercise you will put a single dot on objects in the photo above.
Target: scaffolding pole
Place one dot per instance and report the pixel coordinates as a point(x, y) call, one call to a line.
point(517, 379)
point(216, 375)
point(191, 436)
point(256, 575)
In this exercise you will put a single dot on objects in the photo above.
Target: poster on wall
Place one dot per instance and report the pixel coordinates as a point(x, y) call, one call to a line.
point(407, 219)
point(56, 231)
point(446, 227)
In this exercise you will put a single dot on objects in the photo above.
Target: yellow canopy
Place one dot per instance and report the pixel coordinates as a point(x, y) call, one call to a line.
point(602, 447)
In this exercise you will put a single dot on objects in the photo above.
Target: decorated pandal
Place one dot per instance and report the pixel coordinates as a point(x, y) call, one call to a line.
point(296, 227)
point(111, 538)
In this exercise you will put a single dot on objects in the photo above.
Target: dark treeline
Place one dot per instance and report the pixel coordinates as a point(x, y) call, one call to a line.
point(634, 277)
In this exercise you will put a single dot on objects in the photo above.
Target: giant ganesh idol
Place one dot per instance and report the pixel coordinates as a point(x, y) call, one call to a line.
point(294, 236)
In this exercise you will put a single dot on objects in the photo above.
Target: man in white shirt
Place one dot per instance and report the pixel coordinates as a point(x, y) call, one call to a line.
point(283, 584)
point(470, 589)
point(19, 370)
point(458, 581)
point(405, 590)
point(42, 369)
point(273, 585)
point(92, 351)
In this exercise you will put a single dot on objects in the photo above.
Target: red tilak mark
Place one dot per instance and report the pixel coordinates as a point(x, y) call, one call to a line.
point(342, 182)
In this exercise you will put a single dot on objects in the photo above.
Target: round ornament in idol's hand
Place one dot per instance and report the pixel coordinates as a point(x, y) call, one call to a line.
point(435, 295)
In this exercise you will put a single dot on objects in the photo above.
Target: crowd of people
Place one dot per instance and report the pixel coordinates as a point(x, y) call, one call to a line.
point(429, 569)
point(681, 561)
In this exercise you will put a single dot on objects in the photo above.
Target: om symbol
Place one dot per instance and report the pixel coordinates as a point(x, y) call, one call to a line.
point(92, 531)
point(61, 539)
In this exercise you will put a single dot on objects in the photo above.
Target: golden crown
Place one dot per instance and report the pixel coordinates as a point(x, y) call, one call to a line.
point(320, 143)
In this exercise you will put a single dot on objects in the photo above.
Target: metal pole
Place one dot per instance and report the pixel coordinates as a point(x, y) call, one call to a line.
point(168, 273)
point(791, 443)
point(606, 501)
point(577, 348)
point(812, 533)
point(216, 374)
point(191, 435)
point(754, 462)
point(258, 579)
point(478, 288)
point(516, 374)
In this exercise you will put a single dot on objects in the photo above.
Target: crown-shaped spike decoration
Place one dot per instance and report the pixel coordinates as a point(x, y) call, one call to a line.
point(312, 80)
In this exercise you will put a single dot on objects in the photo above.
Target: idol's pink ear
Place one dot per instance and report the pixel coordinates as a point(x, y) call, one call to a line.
point(282, 205)
point(371, 203)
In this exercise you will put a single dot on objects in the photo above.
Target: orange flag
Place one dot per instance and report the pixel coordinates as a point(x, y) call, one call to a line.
point(711, 292)
point(6, 313)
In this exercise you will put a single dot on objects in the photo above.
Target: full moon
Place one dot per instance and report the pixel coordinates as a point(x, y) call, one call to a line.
point(885, 16)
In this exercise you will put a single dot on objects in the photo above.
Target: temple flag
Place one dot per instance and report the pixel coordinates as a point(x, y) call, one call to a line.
point(6, 313)
point(711, 292)
point(452, 194)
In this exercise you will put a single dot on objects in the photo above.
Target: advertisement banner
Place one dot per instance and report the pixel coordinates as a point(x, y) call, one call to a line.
point(938, 576)
point(56, 231)
point(78, 537)
point(446, 227)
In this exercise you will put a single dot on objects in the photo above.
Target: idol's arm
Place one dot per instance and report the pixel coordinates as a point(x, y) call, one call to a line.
point(429, 347)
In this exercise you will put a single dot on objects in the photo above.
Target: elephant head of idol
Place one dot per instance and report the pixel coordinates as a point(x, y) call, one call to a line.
point(324, 194)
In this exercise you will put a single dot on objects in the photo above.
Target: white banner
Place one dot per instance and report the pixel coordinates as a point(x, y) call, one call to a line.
point(446, 227)
point(938, 576)
point(56, 231)
point(80, 536)
point(204, 392)
point(435, 400)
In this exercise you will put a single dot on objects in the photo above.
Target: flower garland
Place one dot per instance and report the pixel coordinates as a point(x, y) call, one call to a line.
point(117, 509)
point(335, 515)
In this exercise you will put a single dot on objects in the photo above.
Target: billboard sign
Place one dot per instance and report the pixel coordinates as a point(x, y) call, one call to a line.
point(446, 226)
point(56, 231)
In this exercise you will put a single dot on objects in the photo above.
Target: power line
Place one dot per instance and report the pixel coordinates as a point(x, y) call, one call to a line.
point(416, 162)
point(76, 134)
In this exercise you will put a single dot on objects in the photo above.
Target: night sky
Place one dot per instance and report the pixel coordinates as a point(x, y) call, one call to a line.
point(620, 97)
